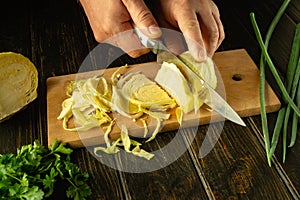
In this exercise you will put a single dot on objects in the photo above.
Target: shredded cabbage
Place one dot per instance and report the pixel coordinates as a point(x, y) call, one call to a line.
point(133, 95)
point(89, 104)
point(127, 143)
point(179, 115)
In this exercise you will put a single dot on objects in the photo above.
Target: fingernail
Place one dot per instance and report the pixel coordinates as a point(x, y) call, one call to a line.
point(197, 51)
point(154, 30)
point(199, 54)
point(202, 55)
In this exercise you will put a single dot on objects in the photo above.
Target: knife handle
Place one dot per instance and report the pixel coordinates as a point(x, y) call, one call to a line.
point(145, 40)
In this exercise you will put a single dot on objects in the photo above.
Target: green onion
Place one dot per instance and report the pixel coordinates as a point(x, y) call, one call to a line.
point(262, 102)
point(286, 96)
point(295, 120)
point(288, 90)
point(276, 132)
point(287, 115)
point(262, 80)
point(263, 110)
point(292, 79)
point(295, 117)
point(295, 55)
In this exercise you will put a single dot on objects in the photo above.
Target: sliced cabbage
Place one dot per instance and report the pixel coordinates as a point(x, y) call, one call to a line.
point(134, 93)
point(18, 83)
point(89, 103)
point(173, 81)
point(205, 70)
point(127, 143)
point(183, 84)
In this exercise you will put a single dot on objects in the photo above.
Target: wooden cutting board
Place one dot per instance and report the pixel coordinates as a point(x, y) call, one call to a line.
point(238, 83)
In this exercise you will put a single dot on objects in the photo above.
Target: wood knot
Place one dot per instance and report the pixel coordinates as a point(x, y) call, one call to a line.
point(240, 178)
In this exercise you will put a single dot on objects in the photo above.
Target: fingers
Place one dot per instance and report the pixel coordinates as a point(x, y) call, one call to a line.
point(216, 15)
point(212, 28)
point(128, 42)
point(190, 27)
point(144, 20)
point(142, 17)
point(173, 39)
point(110, 22)
point(174, 42)
point(200, 24)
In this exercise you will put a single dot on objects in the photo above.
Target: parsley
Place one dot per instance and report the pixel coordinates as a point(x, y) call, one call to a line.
point(34, 170)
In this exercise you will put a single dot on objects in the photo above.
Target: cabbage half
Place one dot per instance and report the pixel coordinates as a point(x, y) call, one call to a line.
point(205, 70)
point(182, 83)
point(173, 81)
point(18, 83)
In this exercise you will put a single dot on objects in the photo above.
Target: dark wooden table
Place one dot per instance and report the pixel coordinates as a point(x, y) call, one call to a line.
point(56, 36)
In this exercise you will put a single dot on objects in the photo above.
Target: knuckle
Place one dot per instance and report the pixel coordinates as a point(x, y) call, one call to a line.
point(102, 33)
point(190, 24)
point(214, 37)
point(98, 37)
point(143, 16)
point(222, 36)
point(214, 34)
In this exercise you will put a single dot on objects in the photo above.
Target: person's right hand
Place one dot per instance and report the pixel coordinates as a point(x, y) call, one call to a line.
point(109, 18)
point(198, 20)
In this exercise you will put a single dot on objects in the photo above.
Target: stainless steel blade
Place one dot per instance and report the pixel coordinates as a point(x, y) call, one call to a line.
point(206, 93)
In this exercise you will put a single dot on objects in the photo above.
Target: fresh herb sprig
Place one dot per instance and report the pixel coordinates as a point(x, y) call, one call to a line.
point(288, 89)
point(34, 170)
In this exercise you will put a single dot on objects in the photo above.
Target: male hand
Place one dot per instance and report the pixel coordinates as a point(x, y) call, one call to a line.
point(110, 18)
point(198, 20)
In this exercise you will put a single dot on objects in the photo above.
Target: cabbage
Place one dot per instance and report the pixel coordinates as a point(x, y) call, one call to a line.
point(204, 69)
point(182, 83)
point(135, 93)
point(173, 81)
point(18, 83)
point(89, 103)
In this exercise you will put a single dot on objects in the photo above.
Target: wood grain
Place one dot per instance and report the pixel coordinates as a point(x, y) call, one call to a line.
point(56, 36)
point(236, 166)
point(236, 71)
point(165, 182)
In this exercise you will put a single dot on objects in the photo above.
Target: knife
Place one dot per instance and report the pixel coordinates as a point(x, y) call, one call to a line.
point(207, 94)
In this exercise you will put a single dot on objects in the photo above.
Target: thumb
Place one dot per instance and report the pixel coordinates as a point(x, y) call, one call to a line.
point(142, 17)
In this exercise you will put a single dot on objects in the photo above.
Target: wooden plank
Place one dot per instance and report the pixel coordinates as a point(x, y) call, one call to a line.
point(236, 166)
point(281, 41)
point(170, 174)
point(59, 46)
point(294, 10)
point(14, 34)
point(242, 95)
point(265, 11)
point(103, 180)
point(288, 171)
point(55, 47)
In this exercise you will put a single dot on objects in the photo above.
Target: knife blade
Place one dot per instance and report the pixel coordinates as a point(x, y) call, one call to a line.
point(206, 93)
